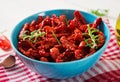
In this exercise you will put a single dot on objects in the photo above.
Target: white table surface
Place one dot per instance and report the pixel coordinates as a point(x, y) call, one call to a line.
point(12, 11)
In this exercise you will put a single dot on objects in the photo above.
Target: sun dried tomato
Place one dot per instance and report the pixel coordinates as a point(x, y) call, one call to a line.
point(4, 43)
point(97, 22)
point(82, 44)
point(67, 44)
point(25, 27)
point(54, 52)
point(78, 54)
point(44, 59)
point(71, 26)
point(80, 19)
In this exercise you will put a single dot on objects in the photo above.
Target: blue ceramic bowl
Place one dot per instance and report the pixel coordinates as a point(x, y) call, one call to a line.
point(65, 69)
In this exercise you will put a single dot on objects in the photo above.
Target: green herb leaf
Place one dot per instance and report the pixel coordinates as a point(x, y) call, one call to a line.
point(92, 41)
point(99, 12)
point(56, 38)
point(33, 36)
point(66, 21)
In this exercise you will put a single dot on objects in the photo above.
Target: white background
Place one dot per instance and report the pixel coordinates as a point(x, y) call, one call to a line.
point(13, 11)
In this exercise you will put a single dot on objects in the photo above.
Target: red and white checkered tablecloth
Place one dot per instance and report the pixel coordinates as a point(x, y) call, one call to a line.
point(107, 69)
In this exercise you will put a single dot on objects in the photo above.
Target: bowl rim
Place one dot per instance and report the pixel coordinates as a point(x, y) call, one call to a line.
point(57, 63)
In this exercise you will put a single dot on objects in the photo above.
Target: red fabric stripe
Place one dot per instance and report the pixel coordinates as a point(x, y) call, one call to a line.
point(3, 55)
point(110, 57)
point(28, 73)
point(100, 67)
point(81, 77)
point(74, 79)
point(4, 80)
point(96, 72)
point(91, 80)
point(107, 65)
point(114, 64)
point(3, 76)
point(113, 77)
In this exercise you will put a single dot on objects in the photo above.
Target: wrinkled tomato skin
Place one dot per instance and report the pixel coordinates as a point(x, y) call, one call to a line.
point(4, 43)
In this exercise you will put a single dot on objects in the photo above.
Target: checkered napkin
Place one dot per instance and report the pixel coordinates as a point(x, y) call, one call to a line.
point(107, 69)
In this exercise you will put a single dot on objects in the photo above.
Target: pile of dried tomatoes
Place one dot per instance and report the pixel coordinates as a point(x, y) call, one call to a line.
point(58, 39)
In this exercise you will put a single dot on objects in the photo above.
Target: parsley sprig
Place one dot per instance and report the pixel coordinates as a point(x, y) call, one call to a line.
point(100, 12)
point(92, 41)
point(56, 38)
point(33, 36)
